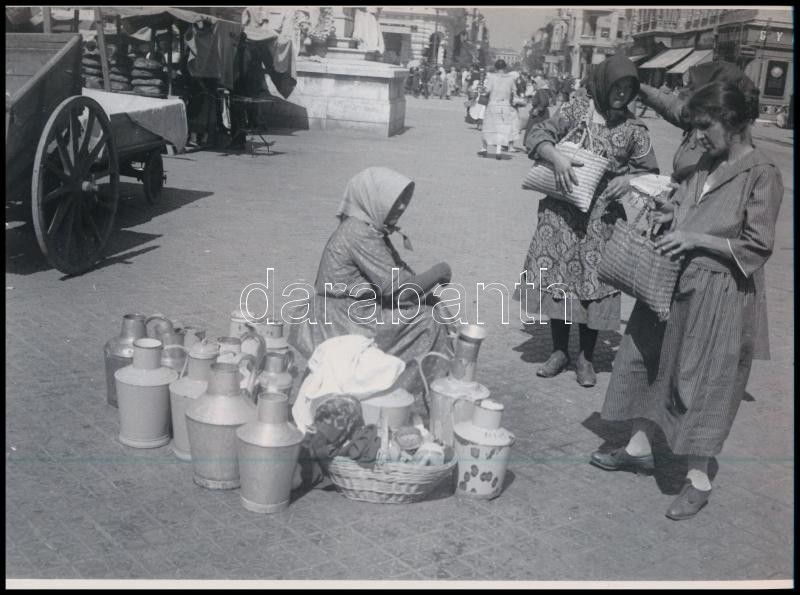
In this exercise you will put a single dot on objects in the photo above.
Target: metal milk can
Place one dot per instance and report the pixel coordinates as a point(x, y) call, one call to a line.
point(276, 376)
point(268, 448)
point(157, 324)
point(174, 354)
point(452, 398)
point(143, 395)
point(272, 332)
point(192, 335)
point(186, 389)
point(118, 351)
point(212, 421)
point(482, 449)
point(231, 353)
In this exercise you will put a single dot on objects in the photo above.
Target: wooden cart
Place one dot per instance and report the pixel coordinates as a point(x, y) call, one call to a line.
point(66, 152)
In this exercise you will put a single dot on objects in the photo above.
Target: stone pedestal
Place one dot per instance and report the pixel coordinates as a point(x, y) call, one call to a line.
point(346, 95)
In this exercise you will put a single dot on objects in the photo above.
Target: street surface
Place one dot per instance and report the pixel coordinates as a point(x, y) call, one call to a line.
point(81, 505)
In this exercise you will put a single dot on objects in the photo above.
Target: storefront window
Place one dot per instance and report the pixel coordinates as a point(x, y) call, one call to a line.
point(775, 84)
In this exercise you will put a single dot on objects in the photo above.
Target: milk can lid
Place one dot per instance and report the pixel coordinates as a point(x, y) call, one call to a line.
point(205, 349)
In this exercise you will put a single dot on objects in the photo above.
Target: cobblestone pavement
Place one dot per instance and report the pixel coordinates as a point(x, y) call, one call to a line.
point(81, 505)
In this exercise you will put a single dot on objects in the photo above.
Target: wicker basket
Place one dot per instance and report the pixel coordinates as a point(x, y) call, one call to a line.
point(541, 177)
point(390, 483)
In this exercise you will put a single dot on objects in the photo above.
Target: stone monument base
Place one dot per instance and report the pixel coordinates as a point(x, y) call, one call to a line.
point(345, 95)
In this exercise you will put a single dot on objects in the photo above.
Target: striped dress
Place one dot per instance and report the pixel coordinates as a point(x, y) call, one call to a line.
point(689, 374)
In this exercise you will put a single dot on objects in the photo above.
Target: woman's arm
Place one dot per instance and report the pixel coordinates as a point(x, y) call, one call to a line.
point(668, 105)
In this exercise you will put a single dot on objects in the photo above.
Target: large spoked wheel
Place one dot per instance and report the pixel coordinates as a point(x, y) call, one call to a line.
point(75, 185)
point(153, 177)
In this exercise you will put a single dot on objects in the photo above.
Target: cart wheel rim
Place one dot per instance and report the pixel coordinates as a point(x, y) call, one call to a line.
point(153, 177)
point(75, 187)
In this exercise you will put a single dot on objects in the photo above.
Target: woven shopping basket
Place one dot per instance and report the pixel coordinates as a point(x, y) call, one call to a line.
point(632, 264)
point(387, 483)
point(542, 178)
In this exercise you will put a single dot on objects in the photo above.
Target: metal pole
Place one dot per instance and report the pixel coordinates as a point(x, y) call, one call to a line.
point(76, 19)
point(101, 44)
point(169, 61)
point(46, 19)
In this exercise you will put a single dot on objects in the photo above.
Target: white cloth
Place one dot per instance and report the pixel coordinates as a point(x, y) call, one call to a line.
point(164, 117)
point(345, 365)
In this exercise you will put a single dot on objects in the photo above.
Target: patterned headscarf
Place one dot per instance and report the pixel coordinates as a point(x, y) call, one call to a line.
point(371, 194)
point(603, 76)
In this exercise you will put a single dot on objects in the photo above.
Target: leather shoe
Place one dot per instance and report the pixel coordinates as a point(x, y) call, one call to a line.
point(584, 372)
point(619, 460)
point(555, 364)
point(688, 503)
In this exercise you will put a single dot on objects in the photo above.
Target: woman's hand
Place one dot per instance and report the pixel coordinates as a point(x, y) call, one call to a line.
point(664, 213)
point(676, 242)
point(565, 175)
point(617, 188)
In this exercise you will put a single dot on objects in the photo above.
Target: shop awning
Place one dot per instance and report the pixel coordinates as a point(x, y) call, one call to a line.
point(696, 57)
point(668, 58)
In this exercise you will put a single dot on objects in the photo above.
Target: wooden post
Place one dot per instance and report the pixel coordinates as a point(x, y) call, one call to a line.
point(48, 27)
point(101, 44)
point(169, 60)
point(76, 19)
point(152, 41)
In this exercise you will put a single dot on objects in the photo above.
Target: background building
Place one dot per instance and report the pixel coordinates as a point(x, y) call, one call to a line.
point(446, 36)
point(667, 42)
point(510, 55)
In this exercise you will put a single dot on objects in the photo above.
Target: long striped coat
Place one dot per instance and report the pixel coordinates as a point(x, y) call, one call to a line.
point(689, 374)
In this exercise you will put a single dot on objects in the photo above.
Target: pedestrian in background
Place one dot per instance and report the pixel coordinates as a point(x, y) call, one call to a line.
point(539, 112)
point(688, 375)
point(499, 125)
point(567, 245)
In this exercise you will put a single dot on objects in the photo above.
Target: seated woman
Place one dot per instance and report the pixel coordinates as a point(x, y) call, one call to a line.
point(355, 291)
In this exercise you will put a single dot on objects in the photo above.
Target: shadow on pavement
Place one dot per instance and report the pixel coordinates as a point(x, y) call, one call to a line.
point(23, 256)
point(671, 469)
point(538, 348)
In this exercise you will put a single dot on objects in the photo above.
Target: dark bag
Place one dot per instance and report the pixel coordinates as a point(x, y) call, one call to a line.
point(483, 99)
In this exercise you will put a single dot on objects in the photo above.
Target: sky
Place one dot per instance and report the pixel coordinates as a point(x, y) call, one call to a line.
point(510, 27)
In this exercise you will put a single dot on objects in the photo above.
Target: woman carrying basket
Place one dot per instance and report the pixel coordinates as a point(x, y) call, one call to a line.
point(567, 244)
point(688, 374)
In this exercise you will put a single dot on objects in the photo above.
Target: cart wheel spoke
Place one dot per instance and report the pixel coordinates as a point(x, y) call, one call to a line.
point(63, 153)
point(58, 216)
point(52, 168)
point(93, 226)
point(96, 151)
point(60, 191)
point(102, 202)
point(75, 131)
point(70, 227)
point(88, 134)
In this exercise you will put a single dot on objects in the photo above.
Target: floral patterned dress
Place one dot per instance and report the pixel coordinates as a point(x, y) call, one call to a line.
point(568, 244)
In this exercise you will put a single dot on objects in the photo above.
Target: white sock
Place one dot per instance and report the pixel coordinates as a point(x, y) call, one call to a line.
point(638, 445)
point(698, 473)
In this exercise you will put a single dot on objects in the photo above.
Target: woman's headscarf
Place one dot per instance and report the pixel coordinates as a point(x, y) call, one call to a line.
point(603, 76)
point(371, 194)
point(726, 72)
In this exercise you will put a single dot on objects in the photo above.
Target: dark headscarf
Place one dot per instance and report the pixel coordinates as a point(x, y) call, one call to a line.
point(601, 79)
point(725, 72)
